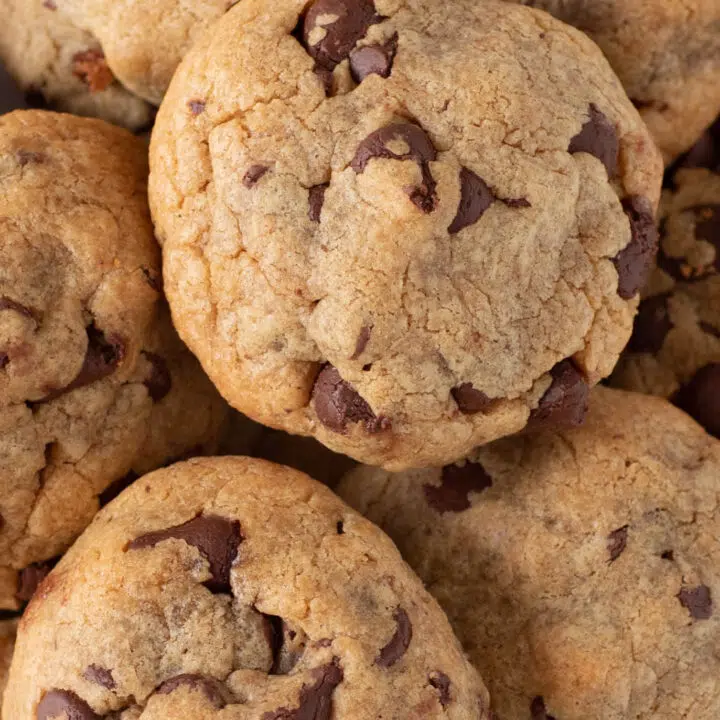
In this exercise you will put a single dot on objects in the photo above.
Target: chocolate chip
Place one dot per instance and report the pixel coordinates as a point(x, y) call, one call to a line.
point(668, 555)
point(469, 400)
point(49, 4)
point(7, 303)
point(159, 382)
point(399, 642)
point(441, 682)
point(102, 357)
point(565, 402)
point(216, 538)
point(100, 676)
point(516, 202)
point(707, 228)
point(316, 699)
point(332, 28)
point(475, 198)
point(538, 710)
point(706, 151)
point(340, 527)
point(617, 540)
point(196, 107)
point(29, 579)
point(633, 263)
point(697, 601)
point(458, 481)
point(28, 157)
point(652, 324)
point(10, 96)
point(700, 398)
point(213, 689)
point(598, 137)
point(337, 403)
point(116, 487)
point(316, 200)
point(373, 60)
point(92, 68)
point(362, 341)
point(56, 704)
point(254, 174)
point(419, 149)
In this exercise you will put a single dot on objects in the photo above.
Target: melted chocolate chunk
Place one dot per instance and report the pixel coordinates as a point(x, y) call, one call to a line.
point(469, 400)
point(457, 482)
point(116, 487)
point(316, 699)
point(316, 200)
point(254, 174)
point(11, 98)
point(159, 382)
point(617, 541)
point(332, 28)
point(102, 357)
point(697, 601)
point(441, 682)
point(538, 710)
point(565, 402)
point(652, 324)
point(216, 538)
point(598, 137)
point(337, 404)
point(64, 704)
point(475, 198)
point(373, 60)
point(700, 398)
point(634, 262)
point(29, 579)
point(216, 693)
point(399, 642)
point(100, 676)
point(92, 68)
point(362, 341)
point(419, 149)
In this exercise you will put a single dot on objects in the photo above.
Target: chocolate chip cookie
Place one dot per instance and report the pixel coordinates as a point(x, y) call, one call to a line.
point(580, 569)
point(61, 66)
point(236, 588)
point(380, 231)
point(675, 347)
point(8, 629)
point(95, 386)
point(142, 41)
point(665, 52)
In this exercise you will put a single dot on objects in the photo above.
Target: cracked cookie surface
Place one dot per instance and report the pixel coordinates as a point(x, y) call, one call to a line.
point(580, 569)
point(675, 347)
point(95, 386)
point(378, 230)
point(665, 52)
point(144, 41)
point(62, 67)
point(238, 589)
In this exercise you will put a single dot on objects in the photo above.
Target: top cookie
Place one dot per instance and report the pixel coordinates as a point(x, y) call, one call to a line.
point(665, 52)
point(580, 569)
point(237, 589)
point(95, 385)
point(395, 226)
point(143, 41)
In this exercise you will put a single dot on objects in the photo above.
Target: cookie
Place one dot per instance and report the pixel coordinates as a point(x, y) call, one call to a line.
point(8, 629)
point(675, 347)
point(402, 273)
point(236, 588)
point(95, 386)
point(142, 41)
point(581, 568)
point(62, 67)
point(665, 52)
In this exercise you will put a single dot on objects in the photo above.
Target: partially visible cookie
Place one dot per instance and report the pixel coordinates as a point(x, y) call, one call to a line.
point(8, 628)
point(62, 67)
point(665, 52)
point(402, 273)
point(580, 569)
point(238, 589)
point(143, 41)
point(675, 347)
point(95, 386)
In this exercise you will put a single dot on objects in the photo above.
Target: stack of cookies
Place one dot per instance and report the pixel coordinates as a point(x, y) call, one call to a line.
point(383, 383)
